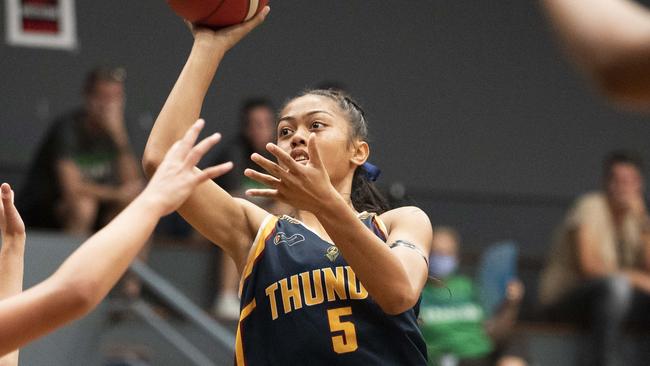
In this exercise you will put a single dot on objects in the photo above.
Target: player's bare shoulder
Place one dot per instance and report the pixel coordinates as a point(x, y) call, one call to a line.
point(406, 215)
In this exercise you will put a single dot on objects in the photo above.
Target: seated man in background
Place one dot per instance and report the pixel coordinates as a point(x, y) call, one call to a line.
point(84, 172)
point(453, 322)
point(598, 272)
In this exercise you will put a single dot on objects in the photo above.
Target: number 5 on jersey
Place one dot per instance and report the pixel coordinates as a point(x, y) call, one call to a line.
point(348, 341)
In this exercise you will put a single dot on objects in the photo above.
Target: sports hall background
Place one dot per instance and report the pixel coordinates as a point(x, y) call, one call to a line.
point(472, 106)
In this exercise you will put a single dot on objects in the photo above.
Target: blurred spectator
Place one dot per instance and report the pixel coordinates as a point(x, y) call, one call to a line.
point(454, 324)
point(257, 128)
point(84, 172)
point(598, 272)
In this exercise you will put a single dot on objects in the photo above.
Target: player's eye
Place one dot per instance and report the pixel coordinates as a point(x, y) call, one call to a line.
point(317, 125)
point(285, 131)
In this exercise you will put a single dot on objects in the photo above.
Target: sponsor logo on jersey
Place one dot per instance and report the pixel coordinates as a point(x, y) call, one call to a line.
point(282, 238)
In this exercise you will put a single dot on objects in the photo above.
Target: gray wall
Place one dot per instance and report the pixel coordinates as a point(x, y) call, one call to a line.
point(472, 106)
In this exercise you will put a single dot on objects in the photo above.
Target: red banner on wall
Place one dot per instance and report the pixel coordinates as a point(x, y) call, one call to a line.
point(40, 16)
point(41, 23)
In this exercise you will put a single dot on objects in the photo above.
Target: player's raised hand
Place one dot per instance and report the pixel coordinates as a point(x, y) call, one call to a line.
point(177, 175)
point(11, 224)
point(228, 37)
point(305, 187)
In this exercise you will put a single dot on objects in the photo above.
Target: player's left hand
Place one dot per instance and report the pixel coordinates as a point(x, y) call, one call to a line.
point(11, 224)
point(305, 187)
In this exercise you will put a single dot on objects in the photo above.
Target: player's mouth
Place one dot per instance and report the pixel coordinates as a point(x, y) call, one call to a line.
point(300, 156)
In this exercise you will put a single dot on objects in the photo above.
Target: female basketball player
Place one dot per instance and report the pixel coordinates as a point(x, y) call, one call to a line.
point(89, 273)
point(329, 285)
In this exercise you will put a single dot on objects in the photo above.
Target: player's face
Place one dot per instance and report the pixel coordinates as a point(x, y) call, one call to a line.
point(320, 115)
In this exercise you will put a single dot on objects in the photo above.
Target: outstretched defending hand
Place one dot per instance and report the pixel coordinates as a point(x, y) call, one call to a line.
point(11, 224)
point(227, 38)
point(177, 176)
point(305, 187)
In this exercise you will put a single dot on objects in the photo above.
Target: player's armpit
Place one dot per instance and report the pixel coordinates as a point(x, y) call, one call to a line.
point(228, 222)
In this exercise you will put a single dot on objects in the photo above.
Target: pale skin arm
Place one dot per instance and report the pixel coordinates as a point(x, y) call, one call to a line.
point(393, 277)
point(85, 278)
point(610, 41)
point(223, 220)
point(11, 255)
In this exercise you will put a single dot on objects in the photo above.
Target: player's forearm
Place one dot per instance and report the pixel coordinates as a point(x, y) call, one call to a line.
point(11, 266)
point(105, 256)
point(378, 269)
point(183, 106)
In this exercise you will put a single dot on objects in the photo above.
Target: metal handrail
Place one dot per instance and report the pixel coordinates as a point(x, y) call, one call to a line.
point(183, 305)
point(168, 332)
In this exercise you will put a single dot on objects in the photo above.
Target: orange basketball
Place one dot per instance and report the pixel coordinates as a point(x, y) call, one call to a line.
point(217, 13)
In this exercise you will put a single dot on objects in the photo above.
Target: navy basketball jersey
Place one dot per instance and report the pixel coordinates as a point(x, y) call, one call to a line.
point(301, 304)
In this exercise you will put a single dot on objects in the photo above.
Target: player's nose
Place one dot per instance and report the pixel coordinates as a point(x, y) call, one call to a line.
point(299, 138)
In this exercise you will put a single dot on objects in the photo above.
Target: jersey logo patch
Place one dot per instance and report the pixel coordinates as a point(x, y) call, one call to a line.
point(332, 253)
point(281, 238)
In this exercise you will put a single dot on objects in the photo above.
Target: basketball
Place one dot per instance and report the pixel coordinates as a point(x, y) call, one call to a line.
point(217, 13)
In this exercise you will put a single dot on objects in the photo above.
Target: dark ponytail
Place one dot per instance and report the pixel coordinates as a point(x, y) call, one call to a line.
point(364, 196)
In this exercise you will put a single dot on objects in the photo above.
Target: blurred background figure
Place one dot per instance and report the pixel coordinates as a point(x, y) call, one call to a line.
point(455, 326)
point(84, 172)
point(256, 129)
point(598, 272)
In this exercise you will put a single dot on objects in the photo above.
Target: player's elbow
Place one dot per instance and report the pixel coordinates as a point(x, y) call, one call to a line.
point(81, 295)
point(151, 159)
point(400, 301)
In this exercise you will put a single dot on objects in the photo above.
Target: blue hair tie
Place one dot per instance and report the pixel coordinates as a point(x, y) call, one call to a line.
point(372, 171)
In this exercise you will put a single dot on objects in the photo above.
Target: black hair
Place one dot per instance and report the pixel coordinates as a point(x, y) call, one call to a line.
point(103, 73)
point(621, 157)
point(364, 196)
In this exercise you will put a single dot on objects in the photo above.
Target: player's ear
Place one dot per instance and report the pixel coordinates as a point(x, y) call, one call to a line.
point(361, 153)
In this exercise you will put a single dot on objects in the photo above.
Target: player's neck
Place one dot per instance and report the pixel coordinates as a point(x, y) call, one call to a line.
point(343, 187)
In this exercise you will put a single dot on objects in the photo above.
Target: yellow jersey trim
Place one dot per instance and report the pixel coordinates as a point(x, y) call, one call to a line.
point(259, 243)
point(239, 347)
